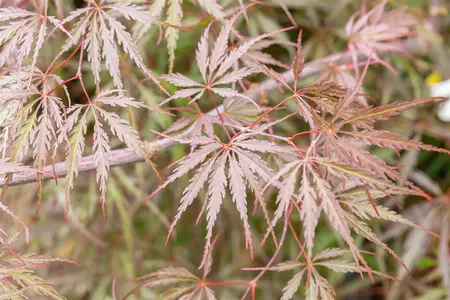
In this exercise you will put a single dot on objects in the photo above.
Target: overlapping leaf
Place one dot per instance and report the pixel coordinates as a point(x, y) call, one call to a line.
point(174, 15)
point(32, 117)
point(75, 128)
point(318, 288)
point(215, 68)
point(23, 32)
point(220, 165)
point(19, 277)
point(378, 31)
point(179, 283)
point(102, 36)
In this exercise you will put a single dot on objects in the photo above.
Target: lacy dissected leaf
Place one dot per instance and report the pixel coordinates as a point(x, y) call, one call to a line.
point(216, 191)
point(239, 113)
point(375, 32)
point(23, 136)
point(334, 212)
point(367, 116)
point(352, 173)
point(298, 63)
point(18, 283)
point(50, 121)
point(76, 130)
point(312, 292)
point(213, 8)
point(350, 153)
point(330, 253)
point(19, 278)
point(255, 57)
point(313, 187)
point(178, 283)
point(326, 97)
point(101, 150)
point(174, 16)
point(116, 98)
point(102, 36)
point(287, 188)
point(76, 126)
point(168, 276)
point(192, 125)
point(210, 158)
point(355, 165)
point(342, 266)
point(310, 211)
point(364, 210)
point(292, 286)
point(330, 205)
point(155, 10)
point(215, 67)
point(392, 140)
point(239, 195)
point(340, 76)
point(29, 119)
point(24, 32)
point(360, 193)
point(318, 285)
point(364, 230)
point(367, 179)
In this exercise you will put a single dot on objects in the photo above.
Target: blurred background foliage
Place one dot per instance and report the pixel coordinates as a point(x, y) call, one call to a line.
point(131, 241)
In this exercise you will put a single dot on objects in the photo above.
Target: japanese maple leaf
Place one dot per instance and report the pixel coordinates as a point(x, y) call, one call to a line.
point(180, 283)
point(103, 34)
point(215, 68)
point(235, 114)
point(325, 95)
point(193, 124)
point(344, 140)
point(174, 15)
point(31, 115)
point(377, 31)
point(305, 180)
point(357, 211)
point(75, 128)
point(339, 149)
point(345, 163)
point(318, 286)
point(23, 31)
point(219, 165)
point(238, 113)
point(347, 136)
point(255, 56)
point(341, 75)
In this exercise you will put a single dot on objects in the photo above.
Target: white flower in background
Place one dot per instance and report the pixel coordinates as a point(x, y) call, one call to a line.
point(440, 88)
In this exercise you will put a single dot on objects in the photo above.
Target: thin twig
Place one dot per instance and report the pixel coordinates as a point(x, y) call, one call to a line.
point(252, 285)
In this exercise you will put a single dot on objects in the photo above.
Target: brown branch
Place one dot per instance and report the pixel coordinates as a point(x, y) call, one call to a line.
point(127, 155)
